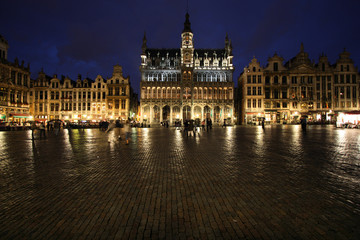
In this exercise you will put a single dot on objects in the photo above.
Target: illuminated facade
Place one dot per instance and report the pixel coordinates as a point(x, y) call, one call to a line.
point(14, 87)
point(118, 98)
point(82, 100)
point(282, 93)
point(186, 83)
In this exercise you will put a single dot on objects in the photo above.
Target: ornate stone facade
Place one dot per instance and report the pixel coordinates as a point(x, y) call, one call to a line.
point(14, 87)
point(283, 93)
point(186, 83)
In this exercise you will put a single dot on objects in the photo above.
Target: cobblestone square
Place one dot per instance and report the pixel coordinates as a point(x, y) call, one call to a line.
point(229, 183)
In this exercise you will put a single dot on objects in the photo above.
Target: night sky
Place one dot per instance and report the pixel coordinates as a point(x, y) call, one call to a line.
point(89, 37)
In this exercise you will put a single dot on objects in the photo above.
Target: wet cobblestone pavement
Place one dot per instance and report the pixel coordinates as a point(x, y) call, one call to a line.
point(233, 183)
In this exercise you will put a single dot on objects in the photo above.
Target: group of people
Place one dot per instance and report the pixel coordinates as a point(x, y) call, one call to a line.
point(193, 126)
point(42, 127)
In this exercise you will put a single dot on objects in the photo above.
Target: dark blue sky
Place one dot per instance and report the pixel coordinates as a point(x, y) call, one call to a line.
point(89, 37)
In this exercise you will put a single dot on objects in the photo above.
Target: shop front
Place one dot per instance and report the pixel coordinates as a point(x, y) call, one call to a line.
point(349, 119)
point(254, 118)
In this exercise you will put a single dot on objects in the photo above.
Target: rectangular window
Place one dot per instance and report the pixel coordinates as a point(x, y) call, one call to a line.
point(342, 78)
point(347, 78)
point(79, 107)
point(57, 95)
point(52, 107)
point(259, 91)
point(342, 92)
point(329, 86)
point(276, 94)
point(259, 78)
point(123, 104)
point(249, 91)
point(267, 93)
point(74, 106)
point(354, 78)
point(259, 103)
point(336, 79)
point(310, 79)
point(284, 105)
point(354, 93)
point(249, 103)
point(254, 79)
point(336, 92)
point(254, 90)
point(284, 94)
point(293, 80)
point(254, 103)
point(348, 92)
point(302, 79)
point(303, 92)
point(88, 106)
point(248, 79)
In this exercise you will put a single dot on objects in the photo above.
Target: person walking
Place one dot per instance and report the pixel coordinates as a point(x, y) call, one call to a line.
point(263, 123)
point(224, 125)
point(33, 128)
point(303, 124)
point(127, 131)
point(110, 127)
point(42, 130)
point(203, 125)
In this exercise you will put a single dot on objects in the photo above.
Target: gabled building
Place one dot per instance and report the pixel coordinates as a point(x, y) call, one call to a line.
point(186, 83)
point(283, 93)
point(118, 97)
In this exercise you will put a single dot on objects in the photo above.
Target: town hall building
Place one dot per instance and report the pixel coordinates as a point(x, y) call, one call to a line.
point(186, 83)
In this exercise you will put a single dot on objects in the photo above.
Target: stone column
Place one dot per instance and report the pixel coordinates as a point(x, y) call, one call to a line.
point(161, 114)
point(151, 113)
point(171, 113)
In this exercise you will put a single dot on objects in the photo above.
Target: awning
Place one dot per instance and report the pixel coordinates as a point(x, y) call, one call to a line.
point(352, 113)
point(19, 115)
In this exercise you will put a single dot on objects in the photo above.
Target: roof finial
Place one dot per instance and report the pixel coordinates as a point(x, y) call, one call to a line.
point(301, 47)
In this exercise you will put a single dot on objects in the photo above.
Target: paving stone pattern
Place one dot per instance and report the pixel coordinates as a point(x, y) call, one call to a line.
point(229, 183)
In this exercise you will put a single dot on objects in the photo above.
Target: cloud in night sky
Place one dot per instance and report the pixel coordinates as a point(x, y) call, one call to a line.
point(90, 37)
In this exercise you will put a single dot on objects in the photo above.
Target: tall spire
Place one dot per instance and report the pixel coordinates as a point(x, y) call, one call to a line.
point(143, 47)
point(187, 25)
